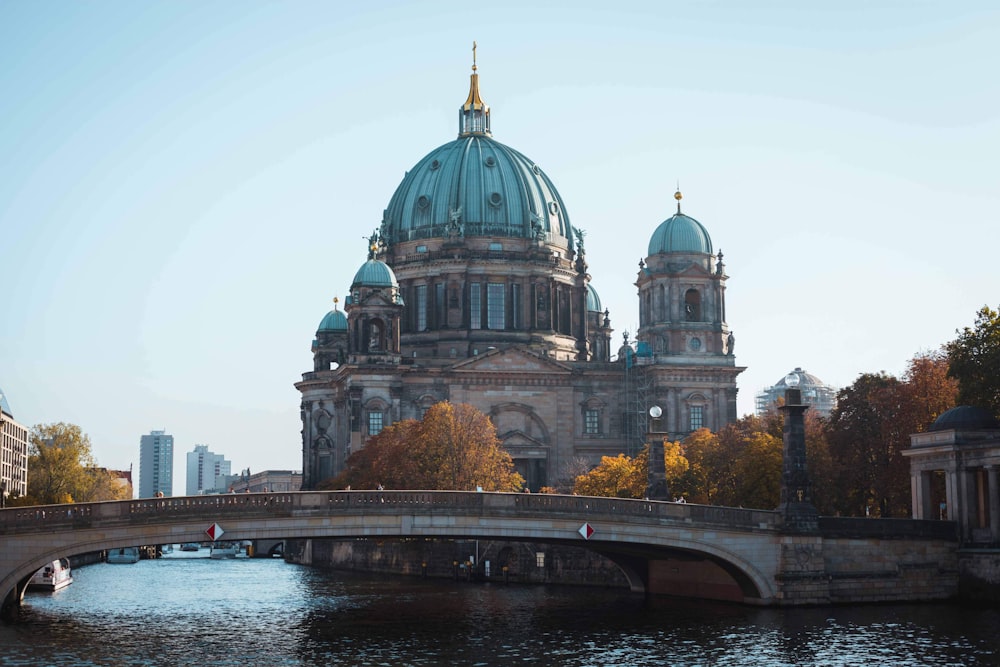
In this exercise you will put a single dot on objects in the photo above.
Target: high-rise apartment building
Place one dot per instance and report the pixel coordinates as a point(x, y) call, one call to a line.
point(156, 464)
point(13, 454)
point(203, 470)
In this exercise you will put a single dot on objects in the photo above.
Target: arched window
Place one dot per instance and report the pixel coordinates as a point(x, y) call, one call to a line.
point(692, 305)
point(696, 409)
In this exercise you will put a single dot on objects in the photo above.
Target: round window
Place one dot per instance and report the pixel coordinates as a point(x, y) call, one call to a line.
point(695, 343)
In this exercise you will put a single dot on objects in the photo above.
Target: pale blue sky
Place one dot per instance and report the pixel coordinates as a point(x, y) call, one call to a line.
point(184, 186)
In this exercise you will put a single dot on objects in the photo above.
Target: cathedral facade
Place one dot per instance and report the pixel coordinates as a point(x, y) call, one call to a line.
point(476, 290)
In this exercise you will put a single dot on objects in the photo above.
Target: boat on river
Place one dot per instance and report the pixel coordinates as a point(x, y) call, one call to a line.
point(190, 546)
point(52, 577)
point(231, 549)
point(123, 555)
point(223, 550)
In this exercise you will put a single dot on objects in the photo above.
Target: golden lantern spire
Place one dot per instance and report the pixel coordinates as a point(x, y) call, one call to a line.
point(678, 196)
point(474, 116)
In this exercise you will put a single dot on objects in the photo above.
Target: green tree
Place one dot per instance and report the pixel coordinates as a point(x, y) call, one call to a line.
point(974, 360)
point(62, 469)
point(454, 447)
point(866, 441)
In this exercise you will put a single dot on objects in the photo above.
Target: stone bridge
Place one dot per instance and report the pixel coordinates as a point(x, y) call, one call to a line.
point(668, 548)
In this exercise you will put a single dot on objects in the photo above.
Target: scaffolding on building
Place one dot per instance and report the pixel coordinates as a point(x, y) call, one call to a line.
point(636, 391)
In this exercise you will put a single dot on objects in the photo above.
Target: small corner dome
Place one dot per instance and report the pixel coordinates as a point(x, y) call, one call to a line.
point(374, 273)
point(965, 418)
point(335, 320)
point(680, 234)
point(593, 300)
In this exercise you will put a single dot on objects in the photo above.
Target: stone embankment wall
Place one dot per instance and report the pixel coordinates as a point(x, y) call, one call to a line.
point(979, 575)
point(865, 570)
point(452, 558)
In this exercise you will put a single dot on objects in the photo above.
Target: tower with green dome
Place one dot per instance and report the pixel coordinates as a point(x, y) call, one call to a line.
point(477, 290)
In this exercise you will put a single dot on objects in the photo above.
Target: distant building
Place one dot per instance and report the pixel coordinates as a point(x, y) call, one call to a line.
point(267, 481)
point(203, 469)
point(820, 397)
point(122, 480)
point(156, 464)
point(13, 454)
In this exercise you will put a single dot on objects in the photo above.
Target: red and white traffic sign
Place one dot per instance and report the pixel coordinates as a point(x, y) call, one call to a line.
point(214, 531)
point(586, 530)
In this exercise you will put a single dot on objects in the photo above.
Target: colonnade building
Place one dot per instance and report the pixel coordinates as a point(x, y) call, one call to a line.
point(476, 289)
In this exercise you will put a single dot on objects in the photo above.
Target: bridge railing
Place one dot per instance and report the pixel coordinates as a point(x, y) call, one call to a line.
point(52, 517)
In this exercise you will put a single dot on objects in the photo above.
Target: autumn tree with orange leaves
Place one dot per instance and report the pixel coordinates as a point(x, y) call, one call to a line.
point(454, 447)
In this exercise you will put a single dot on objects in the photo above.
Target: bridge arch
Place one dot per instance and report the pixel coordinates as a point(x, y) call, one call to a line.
point(635, 534)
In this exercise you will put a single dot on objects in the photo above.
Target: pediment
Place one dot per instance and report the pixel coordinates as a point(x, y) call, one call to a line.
point(519, 440)
point(693, 269)
point(377, 299)
point(512, 360)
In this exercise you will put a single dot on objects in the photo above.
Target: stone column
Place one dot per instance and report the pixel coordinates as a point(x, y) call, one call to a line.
point(656, 471)
point(798, 512)
point(994, 498)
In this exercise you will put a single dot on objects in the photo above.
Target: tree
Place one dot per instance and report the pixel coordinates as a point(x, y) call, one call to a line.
point(866, 440)
point(927, 391)
point(974, 360)
point(616, 477)
point(454, 447)
point(61, 468)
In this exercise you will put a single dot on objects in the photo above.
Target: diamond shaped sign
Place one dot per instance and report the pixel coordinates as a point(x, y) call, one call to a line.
point(586, 530)
point(214, 531)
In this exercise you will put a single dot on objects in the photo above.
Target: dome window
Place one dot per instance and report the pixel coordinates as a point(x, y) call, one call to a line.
point(435, 164)
point(496, 199)
point(536, 169)
point(553, 208)
point(423, 201)
point(490, 161)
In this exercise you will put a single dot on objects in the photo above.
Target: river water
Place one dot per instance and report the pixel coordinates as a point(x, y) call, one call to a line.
point(186, 609)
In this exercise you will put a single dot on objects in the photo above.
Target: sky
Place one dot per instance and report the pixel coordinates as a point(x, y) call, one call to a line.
point(185, 186)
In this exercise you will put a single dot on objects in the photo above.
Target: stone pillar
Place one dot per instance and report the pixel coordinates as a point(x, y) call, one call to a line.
point(797, 510)
point(656, 471)
point(994, 502)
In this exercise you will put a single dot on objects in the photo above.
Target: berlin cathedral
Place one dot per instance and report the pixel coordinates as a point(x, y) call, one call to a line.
point(476, 290)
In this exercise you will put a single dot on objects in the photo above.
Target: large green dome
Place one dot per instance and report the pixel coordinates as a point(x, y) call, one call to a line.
point(476, 186)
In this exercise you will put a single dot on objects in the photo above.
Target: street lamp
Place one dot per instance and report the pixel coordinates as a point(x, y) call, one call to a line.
point(656, 470)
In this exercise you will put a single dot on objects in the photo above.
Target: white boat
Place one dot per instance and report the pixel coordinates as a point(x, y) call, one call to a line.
point(231, 549)
point(224, 550)
point(126, 555)
point(52, 577)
